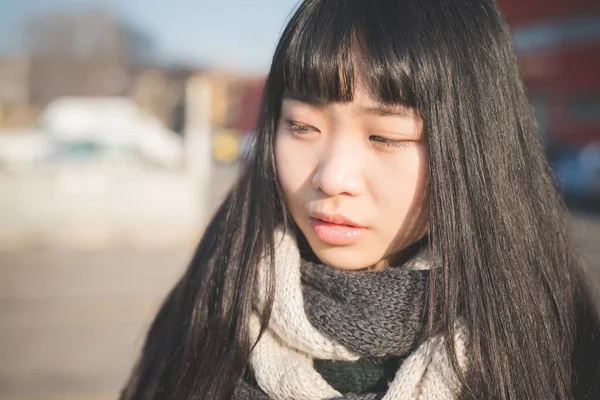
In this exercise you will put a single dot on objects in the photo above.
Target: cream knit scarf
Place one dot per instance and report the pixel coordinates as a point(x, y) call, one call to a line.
point(282, 361)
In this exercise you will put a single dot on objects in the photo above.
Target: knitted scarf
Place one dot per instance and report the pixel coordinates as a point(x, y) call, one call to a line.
point(346, 334)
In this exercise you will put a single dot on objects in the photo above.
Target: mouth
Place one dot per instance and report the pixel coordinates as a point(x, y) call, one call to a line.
point(336, 219)
point(336, 229)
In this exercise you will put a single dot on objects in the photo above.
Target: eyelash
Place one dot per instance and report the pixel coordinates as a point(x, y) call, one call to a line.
point(299, 128)
point(390, 143)
point(379, 140)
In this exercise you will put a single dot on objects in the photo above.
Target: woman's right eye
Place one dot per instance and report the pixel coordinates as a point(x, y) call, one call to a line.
point(299, 128)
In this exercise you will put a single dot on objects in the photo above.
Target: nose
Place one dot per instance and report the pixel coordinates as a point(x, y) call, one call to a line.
point(340, 170)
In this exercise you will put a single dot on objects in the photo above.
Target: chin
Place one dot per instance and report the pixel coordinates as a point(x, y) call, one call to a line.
point(343, 257)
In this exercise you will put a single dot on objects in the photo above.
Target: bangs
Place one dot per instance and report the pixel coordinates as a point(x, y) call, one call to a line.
point(334, 45)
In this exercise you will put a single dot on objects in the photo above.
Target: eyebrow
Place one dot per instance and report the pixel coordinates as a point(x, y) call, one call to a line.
point(387, 110)
point(379, 109)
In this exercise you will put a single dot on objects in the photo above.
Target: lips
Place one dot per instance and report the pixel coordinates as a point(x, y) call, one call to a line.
point(335, 229)
point(336, 219)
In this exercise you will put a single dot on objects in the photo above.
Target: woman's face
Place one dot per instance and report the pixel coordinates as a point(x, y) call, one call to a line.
point(354, 177)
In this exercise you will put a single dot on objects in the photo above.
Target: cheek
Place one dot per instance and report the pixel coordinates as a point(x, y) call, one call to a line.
point(293, 167)
point(405, 201)
point(404, 186)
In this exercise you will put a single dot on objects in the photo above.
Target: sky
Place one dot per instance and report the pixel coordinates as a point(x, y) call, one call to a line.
point(236, 34)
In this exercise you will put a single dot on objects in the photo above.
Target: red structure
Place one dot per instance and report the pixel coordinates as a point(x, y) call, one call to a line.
point(558, 42)
point(522, 12)
point(246, 106)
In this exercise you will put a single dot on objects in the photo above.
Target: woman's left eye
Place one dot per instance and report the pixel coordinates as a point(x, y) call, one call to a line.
point(386, 142)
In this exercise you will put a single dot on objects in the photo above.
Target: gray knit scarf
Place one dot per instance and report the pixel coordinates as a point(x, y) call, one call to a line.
point(342, 334)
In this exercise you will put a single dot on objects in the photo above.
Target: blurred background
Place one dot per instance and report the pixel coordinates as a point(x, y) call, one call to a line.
point(121, 127)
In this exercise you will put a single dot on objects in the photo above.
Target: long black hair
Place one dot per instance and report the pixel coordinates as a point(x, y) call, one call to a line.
point(498, 232)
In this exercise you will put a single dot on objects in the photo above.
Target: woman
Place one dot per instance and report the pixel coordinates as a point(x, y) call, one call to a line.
point(394, 233)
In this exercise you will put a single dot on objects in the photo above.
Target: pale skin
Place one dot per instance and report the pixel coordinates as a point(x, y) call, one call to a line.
point(362, 159)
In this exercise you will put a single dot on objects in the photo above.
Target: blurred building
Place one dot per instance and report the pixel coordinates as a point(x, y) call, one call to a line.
point(246, 96)
point(16, 110)
point(82, 52)
point(14, 80)
point(161, 92)
point(240, 117)
point(558, 42)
